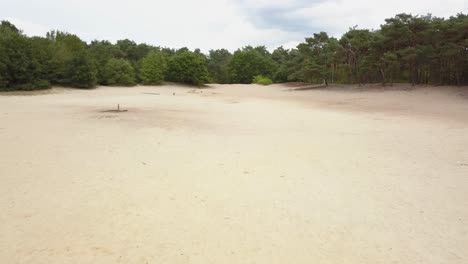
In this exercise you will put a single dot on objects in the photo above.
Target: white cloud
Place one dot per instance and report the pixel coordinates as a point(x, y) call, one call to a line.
point(32, 29)
point(273, 4)
point(336, 16)
point(201, 24)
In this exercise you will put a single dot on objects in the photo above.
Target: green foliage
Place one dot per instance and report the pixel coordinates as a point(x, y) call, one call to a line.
point(152, 68)
point(81, 71)
point(218, 65)
point(37, 85)
point(72, 64)
point(188, 67)
point(406, 48)
point(282, 59)
point(15, 55)
point(3, 77)
point(133, 52)
point(249, 62)
point(42, 54)
point(102, 52)
point(388, 66)
point(414, 49)
point(319, 57)
point(41, 85)
point(262, 80)
point(119, 72)
point(19, 69)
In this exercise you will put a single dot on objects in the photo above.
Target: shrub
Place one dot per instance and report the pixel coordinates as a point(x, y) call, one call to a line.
point(153, 68)
point(41, 85)
point(81, 71)
point(249, 62)
point(119, 72)
point(38, 85)
point(218, 62)
point(262, 80)
point(188, 67)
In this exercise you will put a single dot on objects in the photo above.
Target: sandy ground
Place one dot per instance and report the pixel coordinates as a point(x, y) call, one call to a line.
point(234, 174)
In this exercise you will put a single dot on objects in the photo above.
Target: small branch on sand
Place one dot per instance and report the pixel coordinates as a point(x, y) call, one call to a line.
point(118, 110)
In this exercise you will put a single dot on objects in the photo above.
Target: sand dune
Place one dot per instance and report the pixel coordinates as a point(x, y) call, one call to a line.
point(234, 174)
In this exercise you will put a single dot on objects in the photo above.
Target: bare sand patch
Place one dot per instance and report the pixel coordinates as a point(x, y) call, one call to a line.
point(234, 174)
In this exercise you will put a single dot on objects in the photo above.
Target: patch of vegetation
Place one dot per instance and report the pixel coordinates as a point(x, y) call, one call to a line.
point(119, 72)
point(188, 67)
point(152, 68)
point(262, 80)
point(406, 48)
point(249, 62)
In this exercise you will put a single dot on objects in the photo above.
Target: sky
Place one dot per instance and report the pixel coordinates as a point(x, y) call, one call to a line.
point(212, 24)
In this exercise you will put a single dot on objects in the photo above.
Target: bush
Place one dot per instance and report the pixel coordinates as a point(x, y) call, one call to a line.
point(188, 67)
point(38, 85)
point(153, 68)
point(250, 62)
point(41, 85)
point(17, 67)
point(3, 78)
point(119, 72)
point(81, 72)
point(218, 62)
point(262, 80)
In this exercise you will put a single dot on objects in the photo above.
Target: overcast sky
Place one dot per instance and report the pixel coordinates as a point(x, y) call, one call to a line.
point(211, 24)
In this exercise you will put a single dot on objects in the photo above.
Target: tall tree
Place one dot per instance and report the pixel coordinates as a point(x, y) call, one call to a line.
point(281, 57)
point(102, 52)
point(249, 62)
point(81, 71)
point(188, 67)
point(19, 69)
point(218, 65)
point(153, 68)
point(119, 72)
point(406, 48)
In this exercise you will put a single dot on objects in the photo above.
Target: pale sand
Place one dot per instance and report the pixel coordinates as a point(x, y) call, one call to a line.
point(236, 174)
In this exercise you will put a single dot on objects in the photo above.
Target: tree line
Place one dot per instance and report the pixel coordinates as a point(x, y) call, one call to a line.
point(406, 48)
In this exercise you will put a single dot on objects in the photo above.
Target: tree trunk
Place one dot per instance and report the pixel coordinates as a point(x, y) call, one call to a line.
point(333, 74)
point(382, 72)
point(391, 79)
point(411, 73)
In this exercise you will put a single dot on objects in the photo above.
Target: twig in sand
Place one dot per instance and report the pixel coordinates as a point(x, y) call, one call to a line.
point(118, 110)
